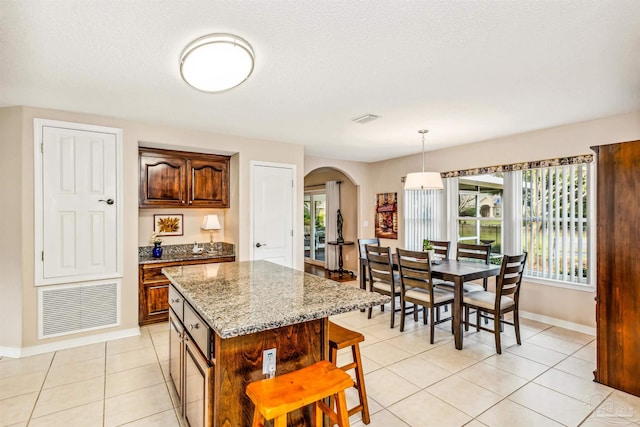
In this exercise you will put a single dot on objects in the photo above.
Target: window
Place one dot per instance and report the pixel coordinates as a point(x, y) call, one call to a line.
point(555, 222)
point(314, 225)
point(544, 210)
point(480, 210)
point(422, 217)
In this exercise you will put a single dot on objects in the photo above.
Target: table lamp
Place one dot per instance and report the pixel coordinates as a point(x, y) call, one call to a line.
point(210, 223)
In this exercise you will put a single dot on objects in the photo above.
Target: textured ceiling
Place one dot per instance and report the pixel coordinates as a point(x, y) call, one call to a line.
point(466, 70)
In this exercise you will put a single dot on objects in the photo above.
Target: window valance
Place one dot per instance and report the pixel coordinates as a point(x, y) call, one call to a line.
point(562, 161)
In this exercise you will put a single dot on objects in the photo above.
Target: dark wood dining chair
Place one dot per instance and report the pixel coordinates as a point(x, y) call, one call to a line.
point(382, 278)
point(476, 253)
point(416, 286)
point(505, 299)
point(363, 257)
point(440, 247)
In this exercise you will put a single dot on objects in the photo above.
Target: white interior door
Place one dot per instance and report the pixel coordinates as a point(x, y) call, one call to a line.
point(80, 198)
point(273, 212)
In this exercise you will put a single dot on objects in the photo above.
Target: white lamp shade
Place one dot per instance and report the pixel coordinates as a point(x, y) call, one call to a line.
point(210, 222)
point(423, 181)
point(216, 62)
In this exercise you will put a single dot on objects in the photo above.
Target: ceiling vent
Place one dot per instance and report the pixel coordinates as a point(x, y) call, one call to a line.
point(365, 118)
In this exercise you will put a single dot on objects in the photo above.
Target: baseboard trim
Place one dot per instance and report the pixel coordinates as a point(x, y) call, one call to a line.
point(17, 352)
point(558, 322)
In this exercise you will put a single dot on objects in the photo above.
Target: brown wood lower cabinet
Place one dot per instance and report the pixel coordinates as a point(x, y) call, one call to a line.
point(198, 385)
point(191, 370)
point(153, 288)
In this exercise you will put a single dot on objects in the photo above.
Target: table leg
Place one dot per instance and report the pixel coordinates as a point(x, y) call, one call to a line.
point(457, 312)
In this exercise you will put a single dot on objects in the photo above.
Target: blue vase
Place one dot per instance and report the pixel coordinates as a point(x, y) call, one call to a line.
point(157, 250)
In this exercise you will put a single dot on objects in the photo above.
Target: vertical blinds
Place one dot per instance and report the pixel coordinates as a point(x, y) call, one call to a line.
point(555, 225)
point(421, 217)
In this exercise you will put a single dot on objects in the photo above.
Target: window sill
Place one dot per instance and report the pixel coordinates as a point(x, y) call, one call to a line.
point(559, 284)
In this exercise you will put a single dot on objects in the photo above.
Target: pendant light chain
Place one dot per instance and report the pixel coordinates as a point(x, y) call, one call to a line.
point(423, 131)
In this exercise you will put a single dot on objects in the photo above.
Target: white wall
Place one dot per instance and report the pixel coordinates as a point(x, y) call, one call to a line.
point(19, 293)
point(11, 247)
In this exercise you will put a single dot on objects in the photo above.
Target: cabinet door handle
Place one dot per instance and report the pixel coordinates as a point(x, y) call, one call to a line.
point(173, 301)
point(192, 326)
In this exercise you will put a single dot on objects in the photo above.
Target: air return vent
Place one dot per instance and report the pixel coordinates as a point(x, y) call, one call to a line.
point(69, 309)
point(365, 118)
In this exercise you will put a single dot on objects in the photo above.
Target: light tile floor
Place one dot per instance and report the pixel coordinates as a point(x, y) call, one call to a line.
point(545, 382)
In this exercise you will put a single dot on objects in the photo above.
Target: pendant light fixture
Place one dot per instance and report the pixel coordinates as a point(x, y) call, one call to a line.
point(217, 62)
point(423, 180)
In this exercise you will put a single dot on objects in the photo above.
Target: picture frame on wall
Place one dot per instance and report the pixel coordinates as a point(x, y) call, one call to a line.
point(168, 225)
point(387, 215)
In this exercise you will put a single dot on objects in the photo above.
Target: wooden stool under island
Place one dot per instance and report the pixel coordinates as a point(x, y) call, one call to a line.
point(275, 397)
point(340, 338)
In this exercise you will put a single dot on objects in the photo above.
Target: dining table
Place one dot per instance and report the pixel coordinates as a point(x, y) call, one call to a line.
point(454, 271)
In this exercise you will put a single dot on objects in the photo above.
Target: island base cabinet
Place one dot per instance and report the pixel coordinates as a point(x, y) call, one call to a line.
point(176, 354)
point(191, 374)
point(198, 385)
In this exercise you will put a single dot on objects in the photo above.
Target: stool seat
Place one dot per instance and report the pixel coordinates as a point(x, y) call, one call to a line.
point(274, 398)
point(339, 338)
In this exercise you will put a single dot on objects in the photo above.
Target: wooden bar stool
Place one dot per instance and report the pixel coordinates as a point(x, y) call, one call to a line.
point(339, 338)
point(274, 398)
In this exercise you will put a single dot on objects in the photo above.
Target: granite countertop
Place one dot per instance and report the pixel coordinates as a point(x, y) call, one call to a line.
point(172, 253)
point(241, 298)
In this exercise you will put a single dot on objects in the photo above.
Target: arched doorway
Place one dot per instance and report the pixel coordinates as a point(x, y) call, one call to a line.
point(315, 248)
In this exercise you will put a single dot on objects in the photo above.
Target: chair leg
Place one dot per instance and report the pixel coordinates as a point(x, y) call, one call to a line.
point(402, 314)
point(318, 412)
point(466, 315)
point(393, 311)
point(341, 410)
point(415, 312)
point(362, 391)
point(516, 325)
point(432, 325)
point(258, 419)
point(477, 318)
point(496, 331)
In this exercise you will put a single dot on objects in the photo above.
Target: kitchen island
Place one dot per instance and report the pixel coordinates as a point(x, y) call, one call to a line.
point(223, 317)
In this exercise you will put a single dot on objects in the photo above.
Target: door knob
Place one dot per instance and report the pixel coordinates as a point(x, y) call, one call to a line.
point(260, 244)
point(108, 201)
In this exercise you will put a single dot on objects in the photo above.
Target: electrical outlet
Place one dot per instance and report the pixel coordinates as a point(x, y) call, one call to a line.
point(346, 257)
point(269, 362)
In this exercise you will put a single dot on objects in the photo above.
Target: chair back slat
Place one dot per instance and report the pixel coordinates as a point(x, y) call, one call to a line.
point(473, 252)
point(510, 278)
point(415, 270)
point(379, 263)
point(440, 247)
point(363, 242)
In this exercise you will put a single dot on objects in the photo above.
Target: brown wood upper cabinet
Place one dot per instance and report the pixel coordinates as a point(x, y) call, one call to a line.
point(170, 179)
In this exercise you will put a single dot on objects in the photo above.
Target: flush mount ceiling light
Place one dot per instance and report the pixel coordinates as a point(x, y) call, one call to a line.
point(216, 62)
point(423, 180)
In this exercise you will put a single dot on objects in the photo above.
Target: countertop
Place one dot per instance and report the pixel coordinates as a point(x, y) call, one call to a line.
point(241, 298)
point(174, 253)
